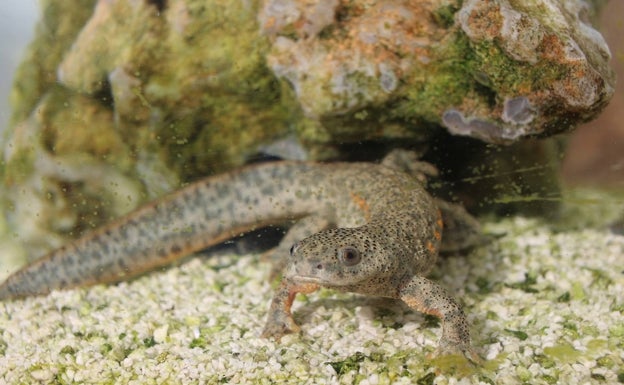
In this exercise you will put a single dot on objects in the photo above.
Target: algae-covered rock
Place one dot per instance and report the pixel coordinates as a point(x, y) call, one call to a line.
point(495, 70)
point(186, 76)
point(547, 66)
point(61, 21)
point(131, 99)
point(60, 179)
point(120, 101)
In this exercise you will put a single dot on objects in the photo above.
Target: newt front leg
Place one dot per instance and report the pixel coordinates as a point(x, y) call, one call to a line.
point(430, 298)
point(280, 320)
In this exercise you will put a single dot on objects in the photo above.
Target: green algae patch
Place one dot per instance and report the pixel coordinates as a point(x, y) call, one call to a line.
point(351, 363)
point(455, 364)
point(562, 352)
point(436, 87)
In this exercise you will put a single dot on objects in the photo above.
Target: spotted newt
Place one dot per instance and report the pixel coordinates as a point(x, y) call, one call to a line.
point(360, 227)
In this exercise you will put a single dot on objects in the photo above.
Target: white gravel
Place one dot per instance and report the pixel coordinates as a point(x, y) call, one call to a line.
point(546, 307)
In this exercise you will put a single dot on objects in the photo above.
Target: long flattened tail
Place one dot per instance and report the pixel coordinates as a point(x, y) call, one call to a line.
point(200, 215)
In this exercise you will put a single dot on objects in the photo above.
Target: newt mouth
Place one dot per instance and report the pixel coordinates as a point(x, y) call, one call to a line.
point(306, 279)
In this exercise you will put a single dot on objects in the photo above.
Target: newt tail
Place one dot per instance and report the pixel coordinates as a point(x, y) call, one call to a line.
point(202, 214)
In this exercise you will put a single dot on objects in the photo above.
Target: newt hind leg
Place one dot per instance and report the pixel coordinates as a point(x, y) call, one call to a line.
point(462, 231)
point(409, 162)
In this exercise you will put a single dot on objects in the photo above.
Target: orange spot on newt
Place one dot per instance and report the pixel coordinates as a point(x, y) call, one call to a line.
point(418, 304)
point(431, 247)
point(440, 225)
point(362, 204)
point(294, 288)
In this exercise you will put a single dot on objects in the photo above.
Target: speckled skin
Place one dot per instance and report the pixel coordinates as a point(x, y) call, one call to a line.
point(370, 229)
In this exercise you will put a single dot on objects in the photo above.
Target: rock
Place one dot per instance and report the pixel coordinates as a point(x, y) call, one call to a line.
point(495, 70)
point(138, 98)
point(155, 93)
point(546, 65)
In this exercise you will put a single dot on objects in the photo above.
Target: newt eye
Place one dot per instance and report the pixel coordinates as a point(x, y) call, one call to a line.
point(350, 256)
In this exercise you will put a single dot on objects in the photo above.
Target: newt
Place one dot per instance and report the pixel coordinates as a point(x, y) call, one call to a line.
point(360, 227)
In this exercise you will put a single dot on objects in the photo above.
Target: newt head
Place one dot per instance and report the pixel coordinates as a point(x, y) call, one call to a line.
point(343, 258)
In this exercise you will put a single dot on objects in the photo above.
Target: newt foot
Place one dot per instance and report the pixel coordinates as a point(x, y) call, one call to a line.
point(447, 348)
point(276, 329)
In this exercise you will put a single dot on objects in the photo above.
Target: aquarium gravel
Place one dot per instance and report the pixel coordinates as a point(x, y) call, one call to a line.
point(546, 307)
